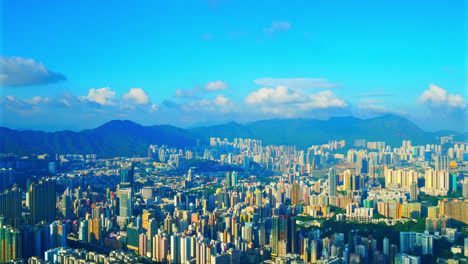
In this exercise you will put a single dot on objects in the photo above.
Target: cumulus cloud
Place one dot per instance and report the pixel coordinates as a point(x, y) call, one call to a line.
point(438, 97)
point(278, 26)
point(296, 83)
point(285, 102)
point(280, 94)
point(102, 96)
point(137, 96)
point(221, 100)
point(324, 99)
point(216, 86)
point(17, 71)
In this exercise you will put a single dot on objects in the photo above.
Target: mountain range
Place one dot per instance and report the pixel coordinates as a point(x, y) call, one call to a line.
point(126, 138)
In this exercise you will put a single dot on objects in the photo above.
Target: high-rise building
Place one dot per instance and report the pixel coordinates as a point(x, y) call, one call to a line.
point(10, 244)
point(386, 250)
point(411, 210)
point(10, 206)
point(228, 179)
point(414, 191)
point(465, 188)
point(456, 209)
point(453, 182)
point(292, 233)
point(332, 182)
point(42, 201)
point(83, 231)
point(466, 247)
point(94, 231)
point(168, 224)
point(58, 234)
point(151, 231)
point(133, 237)
point(355, 182)
point(283, 230)
point(313, 251)
point(295, 193)
point(258, 197)
point(126, 202)
point(441, 163)
point(66, 206)
point(175, 249)
point(127, 174)
point(189, 175)
point(347, 180)
point(234, 180)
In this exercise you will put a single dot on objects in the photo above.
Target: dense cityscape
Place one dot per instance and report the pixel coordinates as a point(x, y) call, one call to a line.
point(240, 201)
point(234, 132)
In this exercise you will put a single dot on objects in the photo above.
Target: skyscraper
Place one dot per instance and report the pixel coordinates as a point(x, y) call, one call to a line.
point(94, 231)
point(465, 188)
point(313, 251)
point(126, 203)
point(258, 197)
point(228, 179)
point(127, 174)
point(10, 244)
point(386, 250)
point(10, 206)
point(466, 247)
point(189, 175)
point(234, 178)
point(414, 191)
point(332, 182)
point(42, 201)
point(295, 200)
point(441, 163)
point(292, 235)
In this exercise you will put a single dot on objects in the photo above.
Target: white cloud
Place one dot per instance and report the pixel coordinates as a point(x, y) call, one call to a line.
point(286, 102)
point(137, 96)
point(216, 86)
point(221, 100)
point(280, 94)
point(324, 99)
point(278, 26)
point(38, 100)
point(296, 83)
point(102, 96)
point(16, 71)
point(438, 97)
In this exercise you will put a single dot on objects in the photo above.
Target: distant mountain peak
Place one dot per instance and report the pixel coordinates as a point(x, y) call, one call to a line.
point(118, 124)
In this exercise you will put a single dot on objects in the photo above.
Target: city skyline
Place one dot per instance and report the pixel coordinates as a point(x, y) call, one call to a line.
point(229, 132)
point(196, 63)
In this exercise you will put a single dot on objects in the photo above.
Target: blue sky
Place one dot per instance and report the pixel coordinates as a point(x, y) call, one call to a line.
point(72, 65)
